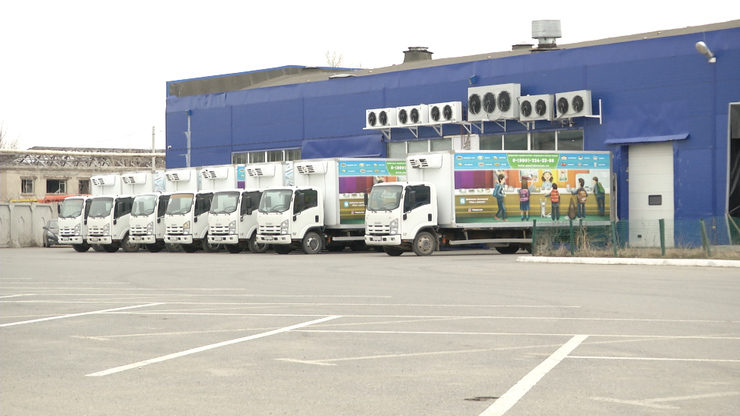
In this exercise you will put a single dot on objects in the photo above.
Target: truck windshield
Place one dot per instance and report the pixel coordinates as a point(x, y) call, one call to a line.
point(101, 207)
point(179, 204)
point(144, 205)
point(224, 202)
point(384, 198)
point(276, 200)
point(71, 208)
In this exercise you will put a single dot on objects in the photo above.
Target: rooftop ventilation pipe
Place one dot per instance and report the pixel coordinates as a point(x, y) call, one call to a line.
point(546, 32)
point(417, 53)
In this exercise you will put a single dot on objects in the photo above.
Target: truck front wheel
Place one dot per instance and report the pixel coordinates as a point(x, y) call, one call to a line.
point(312, 243)
point(510, 249)
point(128, 246)
point(424, 244)
point(81, 248)
point(254, 246)
point(393, 251)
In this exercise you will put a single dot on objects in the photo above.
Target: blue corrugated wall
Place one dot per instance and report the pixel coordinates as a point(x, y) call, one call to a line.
point(649, 87)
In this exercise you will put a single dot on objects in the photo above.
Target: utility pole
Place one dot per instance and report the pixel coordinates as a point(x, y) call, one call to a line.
point(154, 160)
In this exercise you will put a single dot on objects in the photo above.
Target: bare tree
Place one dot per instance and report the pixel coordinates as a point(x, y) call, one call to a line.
point(334, 59)
point(5, 142)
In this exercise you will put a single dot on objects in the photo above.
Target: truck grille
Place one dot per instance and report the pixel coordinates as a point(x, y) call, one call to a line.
point(378, 229)
point(174, 229)
point(269, 229)
point(218, 230)
point(138, 230)
point(95, 231)
point(67, 232)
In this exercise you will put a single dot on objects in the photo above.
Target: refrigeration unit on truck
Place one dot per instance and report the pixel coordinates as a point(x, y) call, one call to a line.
point(232, 220)
point(449, 199)
point(186, 217)
point(146, 225)
point(325, 208)
point(108, 219)
point(72, 222)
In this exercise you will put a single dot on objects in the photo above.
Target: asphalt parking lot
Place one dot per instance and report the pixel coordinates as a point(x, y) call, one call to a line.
point(457, 333)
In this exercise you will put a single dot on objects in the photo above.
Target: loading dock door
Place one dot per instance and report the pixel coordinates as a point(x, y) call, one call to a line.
point(651, 184)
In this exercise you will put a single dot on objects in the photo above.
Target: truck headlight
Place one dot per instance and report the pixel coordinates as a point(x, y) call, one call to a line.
point(393, 228)
point(76, 229)
point(232, 227)
point(106, 229)
point(186, 227)
point(284, 227)
point(150, 228)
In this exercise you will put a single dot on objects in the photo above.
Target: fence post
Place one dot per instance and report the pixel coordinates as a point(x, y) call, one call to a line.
point(614, 238)
point(661, 223)
point(534, 237)
point(570, 239)
point(704, 239)
point(732, 221)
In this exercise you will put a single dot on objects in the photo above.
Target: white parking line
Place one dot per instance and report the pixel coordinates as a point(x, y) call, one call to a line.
point(72, 315)
point(16, 296)
point(697, 360)
point(653, 403)
point(207, 347)
point(512, 396)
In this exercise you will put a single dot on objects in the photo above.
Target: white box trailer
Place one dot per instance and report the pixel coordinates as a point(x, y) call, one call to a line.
point(449, 199)
point(232, 220)
point(146, 225)
point(325, 208)
point(108, 218)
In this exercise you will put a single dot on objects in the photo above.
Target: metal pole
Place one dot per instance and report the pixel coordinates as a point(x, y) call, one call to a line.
point(704, 239)
point(572, 246)
point(187, 135)
point(154, 160)
point(661, 223)
point(534, 237)
point(614, 238)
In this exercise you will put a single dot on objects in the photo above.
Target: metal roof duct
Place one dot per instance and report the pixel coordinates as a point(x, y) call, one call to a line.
point(546, 32)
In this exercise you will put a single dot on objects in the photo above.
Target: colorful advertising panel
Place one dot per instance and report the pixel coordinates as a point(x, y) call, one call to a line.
point(357, 177)
point(511, 186)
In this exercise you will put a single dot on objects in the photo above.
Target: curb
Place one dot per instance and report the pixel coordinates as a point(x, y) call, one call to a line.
point(631, 261)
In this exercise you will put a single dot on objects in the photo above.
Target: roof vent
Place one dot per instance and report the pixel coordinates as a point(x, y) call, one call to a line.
point(417, 53)
point(546, 32)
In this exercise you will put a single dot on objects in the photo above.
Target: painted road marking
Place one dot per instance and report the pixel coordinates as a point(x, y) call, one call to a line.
point(515, 393)
point(655, 403)
point(207, 347)
point(72, 315)
point(698, 360)
point(16, 296)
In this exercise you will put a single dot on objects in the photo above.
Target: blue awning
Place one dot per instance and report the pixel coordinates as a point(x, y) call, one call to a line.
point(648, 139)
point(352, 146)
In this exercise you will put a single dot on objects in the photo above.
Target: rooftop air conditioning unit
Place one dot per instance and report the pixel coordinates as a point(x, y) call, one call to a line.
point(536, 107)
point(311, 168)
point(260, 170)
point(493, 102)
point(178, 176)
point(105, 180)
point(215, 173)
point(573, 104)
point(413, 115)
point(380, 118)
point(449, 112)
point(426, 162)
point(133, 178)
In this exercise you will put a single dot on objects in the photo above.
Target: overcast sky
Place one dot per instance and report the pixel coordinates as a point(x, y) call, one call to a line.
point(92, 73)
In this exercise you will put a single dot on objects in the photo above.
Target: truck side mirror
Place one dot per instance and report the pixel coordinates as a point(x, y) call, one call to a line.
point(366, 197)
point(59, 209)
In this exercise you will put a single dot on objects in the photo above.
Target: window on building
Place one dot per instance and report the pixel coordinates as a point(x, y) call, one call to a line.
point(265, 156)
point(570, 140)
point(84, 186)
point(26, 185)
point(418, 146)
point(292, 154)
point(239, 158)
point(397, 150)
point(491, 142)
point(517, 141)
point(441, 144)
point(543, 141)
point(56, 186)
point(274, 155)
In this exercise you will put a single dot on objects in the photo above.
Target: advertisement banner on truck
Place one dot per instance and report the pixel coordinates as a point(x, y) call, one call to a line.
point(518, 186)
point(357, 177)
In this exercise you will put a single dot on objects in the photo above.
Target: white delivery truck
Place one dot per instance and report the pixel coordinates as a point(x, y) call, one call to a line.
point(146, 225)
point(232, 220)
point(108, 219)
point(325, 208)
point(186, 217)
point(449, 199)
point(73, 222)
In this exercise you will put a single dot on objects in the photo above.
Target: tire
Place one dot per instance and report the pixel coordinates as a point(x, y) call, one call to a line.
point(81, 248)
point(510, 249)
point(210, 248)
point(98, 248)
point(110, 248)
point(282, 248)
point(358, 246)
point(256, 247)
point(393, 251)
point(189, 248)
point(128, 246)
point(312, 243)
point(424, 244)
point(233, 248)
point(155, 248)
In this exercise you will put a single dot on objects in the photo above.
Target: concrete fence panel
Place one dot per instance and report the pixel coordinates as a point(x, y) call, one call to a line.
point(5, 225)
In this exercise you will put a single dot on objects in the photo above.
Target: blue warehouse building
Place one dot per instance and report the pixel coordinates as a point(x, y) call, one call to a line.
point(665, 104)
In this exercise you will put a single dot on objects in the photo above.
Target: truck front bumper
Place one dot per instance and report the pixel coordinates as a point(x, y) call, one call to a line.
point(383, 240)
point(274, 239)
point(223, 239)
point(105, 240)
point(143, 239)
point(179, 239)
point(74, 239)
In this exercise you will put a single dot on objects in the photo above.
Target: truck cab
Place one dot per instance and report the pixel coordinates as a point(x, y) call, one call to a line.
point(108, 223)
point(289, 217)
point(146, 224)
point(402, 217)
point(186, 220)
point(72, 222)
point(232, 220)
